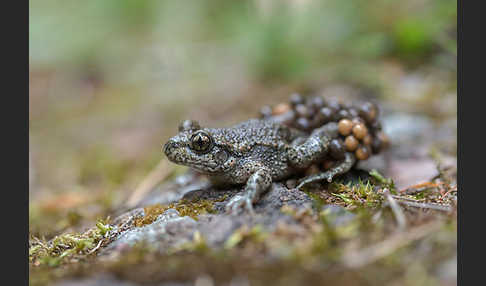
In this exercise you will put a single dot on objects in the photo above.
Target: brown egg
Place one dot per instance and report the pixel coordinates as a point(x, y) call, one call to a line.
point(266, 111)
point(317, 121)
point(303, 123)
point(303, 110)
point(345, 127)
point(343, 113)
point(334, 105)
point(296, 99)
point(375, 125)
point(360, 131)
point(351, 143)
point(336, 148)
point(287, 118)
point(353, 112)
point(358, 120)
point(281, 108)
point(368, 111)
point(326, 114)
point(376, 146)
point(385, 140)
point(362, 153)
point(317, 102)
point(368, 139)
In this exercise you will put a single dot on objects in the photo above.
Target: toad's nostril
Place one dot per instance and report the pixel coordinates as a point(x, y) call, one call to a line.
point(168, 147)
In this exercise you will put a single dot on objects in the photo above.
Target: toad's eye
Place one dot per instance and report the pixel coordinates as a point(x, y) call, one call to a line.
point(201, 142)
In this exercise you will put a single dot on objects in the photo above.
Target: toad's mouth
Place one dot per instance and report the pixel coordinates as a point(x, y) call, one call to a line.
point(197, 165)
point(203, 168)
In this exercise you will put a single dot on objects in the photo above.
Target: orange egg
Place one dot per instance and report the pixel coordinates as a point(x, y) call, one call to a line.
point(362, 153)
point(281, 108)
point(351, 143)
point(360, 131)
point(385, 140)
point(345, 126)
point(368, 139)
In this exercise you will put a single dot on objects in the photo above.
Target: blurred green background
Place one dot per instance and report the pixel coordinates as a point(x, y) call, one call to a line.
point(110, 80)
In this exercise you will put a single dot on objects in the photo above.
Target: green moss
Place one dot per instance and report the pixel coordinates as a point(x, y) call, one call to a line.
point(245, 234)
point(184, 207)
point(360, 194)
point(317, 201)
point(67, 246)
point(382, 181)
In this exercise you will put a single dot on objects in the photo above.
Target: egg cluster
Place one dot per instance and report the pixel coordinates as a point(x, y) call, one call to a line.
point(359, 129)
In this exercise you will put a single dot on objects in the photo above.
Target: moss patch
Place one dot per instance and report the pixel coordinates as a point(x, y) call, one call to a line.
point(361, 194)
point(184, 207)
point(68, 246)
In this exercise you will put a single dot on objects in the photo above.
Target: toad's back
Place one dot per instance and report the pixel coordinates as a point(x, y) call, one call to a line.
point(244, 136)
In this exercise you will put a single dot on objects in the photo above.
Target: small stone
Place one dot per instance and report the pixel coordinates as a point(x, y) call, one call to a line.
point(360, 131)
point(281, 108)
point(351, 143)
point(345, 127)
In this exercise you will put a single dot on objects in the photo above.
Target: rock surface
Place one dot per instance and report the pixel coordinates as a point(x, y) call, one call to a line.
point(170, 229)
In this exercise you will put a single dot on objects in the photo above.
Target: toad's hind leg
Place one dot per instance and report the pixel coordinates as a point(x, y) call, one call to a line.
point(342, 168)
point(305, 152)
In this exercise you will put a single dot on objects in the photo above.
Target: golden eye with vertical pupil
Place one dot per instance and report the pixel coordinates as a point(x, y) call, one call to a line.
point(201, 141)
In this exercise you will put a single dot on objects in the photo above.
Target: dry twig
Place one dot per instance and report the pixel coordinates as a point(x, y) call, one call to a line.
point(426, 206)
point(158, 174)
point(397, 211)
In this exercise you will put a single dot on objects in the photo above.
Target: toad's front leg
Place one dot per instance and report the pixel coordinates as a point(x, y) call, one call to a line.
point(258, 183)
